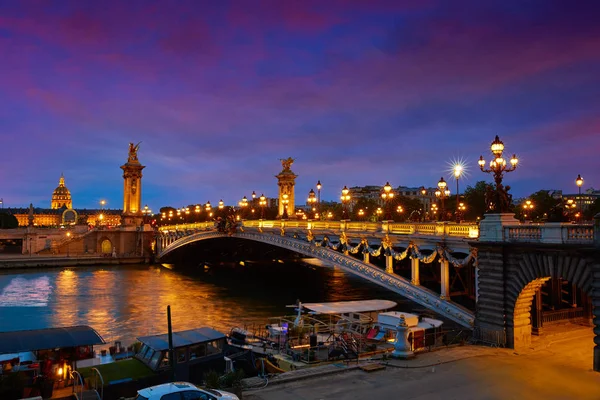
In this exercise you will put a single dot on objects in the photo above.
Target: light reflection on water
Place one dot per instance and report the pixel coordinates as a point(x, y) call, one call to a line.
point(124, 302)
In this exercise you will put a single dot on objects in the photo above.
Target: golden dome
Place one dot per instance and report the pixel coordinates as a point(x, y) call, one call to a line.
point(61, 197)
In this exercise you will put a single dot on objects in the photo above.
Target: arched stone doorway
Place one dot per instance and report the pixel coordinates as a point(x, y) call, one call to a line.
point(542, 277)
point(106, 246)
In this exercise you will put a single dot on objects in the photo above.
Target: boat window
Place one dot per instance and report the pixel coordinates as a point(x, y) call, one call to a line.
point(164, 363)
point(181, 355)
point(214, 347)
point(154, 361)
point(197, 351)
point(149, 354)
point(143, 350)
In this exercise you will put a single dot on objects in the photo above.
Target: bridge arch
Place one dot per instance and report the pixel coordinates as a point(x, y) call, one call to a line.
point(400, 285)
point(532, 272)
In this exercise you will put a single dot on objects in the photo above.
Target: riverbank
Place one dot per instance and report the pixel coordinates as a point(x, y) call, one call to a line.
point(17, 261)
point(556, 366)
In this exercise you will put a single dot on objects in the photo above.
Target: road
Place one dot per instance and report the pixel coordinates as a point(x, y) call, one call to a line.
point(558, 367)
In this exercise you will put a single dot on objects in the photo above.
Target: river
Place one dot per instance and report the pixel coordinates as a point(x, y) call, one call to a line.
point(124, 302)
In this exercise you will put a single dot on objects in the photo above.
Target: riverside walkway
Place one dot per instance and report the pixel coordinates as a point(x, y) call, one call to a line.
point(556, 366)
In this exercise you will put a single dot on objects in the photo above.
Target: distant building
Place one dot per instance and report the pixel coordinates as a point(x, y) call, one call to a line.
point(374, 193)
point(62, 213)
point(586, 199)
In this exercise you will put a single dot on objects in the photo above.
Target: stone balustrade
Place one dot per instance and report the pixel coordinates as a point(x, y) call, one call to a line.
point(439, 229)
point(550, 232)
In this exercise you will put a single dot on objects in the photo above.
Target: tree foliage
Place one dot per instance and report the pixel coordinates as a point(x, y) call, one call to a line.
point(8, 221)
point(474, 197)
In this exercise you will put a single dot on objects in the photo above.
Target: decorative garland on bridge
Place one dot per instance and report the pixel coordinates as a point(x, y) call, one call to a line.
point(386, 248)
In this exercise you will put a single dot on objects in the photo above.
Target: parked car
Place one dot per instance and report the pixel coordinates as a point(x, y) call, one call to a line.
point(182, 391)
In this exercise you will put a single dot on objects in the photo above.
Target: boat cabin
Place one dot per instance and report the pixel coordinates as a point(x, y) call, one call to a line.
point(195, 352)
point(50, 353)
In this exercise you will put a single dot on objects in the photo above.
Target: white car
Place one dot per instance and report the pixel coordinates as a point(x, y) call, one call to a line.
point(182, 391)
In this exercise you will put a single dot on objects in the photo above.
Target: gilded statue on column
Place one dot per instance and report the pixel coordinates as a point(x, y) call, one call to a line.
point(286, 163)
point(133, 149)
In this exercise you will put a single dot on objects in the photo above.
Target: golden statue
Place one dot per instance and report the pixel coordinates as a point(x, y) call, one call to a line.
point(133, 151)
point(286, 163)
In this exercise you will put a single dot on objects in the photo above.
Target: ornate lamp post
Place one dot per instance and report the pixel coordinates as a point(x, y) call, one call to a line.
point(442, 193)
point(146, 212)
point(579, 183)
point(285, 200)
point(527, 207)
point(423, 193)
point(570, 206)
point(458, 170)
point(387, 195)
point(319, 198)
point(498, 167)
point(361, 214)
point(208, 209)
point(243, 205)
point(312, 200)
point(262, 201)
point(345, 199)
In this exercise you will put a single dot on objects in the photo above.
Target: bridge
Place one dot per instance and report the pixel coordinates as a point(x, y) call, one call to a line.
point(511, 263)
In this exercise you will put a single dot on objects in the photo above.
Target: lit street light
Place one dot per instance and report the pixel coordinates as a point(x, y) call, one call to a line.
point(312, 200)
point(498, 168)
point(345, 200)
point(442, 193)
point(319, 197)
point(285, 201)
point(527, 206)
point(262, 201)
point(458, 171)
point(387, 195)
point(579, 183)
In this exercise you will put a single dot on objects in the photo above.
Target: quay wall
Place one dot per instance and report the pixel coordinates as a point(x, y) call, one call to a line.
point(15, 262)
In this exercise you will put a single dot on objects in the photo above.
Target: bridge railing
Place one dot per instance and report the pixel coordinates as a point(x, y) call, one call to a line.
point(550, 232)
point(448, 229)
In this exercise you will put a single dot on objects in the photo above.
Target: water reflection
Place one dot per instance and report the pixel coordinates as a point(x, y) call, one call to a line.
point(124, 302)
point(23, 292)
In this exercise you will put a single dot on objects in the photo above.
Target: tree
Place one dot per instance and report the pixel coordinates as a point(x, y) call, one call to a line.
point(474, 197)
point(8, 221)
point(592, 210)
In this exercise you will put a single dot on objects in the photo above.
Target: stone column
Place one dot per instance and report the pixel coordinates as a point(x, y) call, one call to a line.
point(389, 264)
point(537, 323)
point(596, 303)
point(444, 279)
point(476, 284)
point(414, 268)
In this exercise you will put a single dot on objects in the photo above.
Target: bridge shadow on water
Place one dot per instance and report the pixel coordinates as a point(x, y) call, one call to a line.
point(272, 274)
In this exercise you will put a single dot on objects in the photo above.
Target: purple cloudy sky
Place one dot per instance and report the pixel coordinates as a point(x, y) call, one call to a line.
point(359, 92)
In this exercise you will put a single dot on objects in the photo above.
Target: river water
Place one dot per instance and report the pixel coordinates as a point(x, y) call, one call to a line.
point(126, 302)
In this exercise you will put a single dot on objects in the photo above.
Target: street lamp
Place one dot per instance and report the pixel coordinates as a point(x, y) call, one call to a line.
point(570, 206)
point(361, 214)
point(387, 195)
point(102, 203)
point(424, 193)
point(442, 193)
point(319, 197)
point(527, 206)
point(345, 199)
point(146, 213)
point(458, 170)
point(262, 201)
point(434, 209)
point(68, 242)
point(243, 205)
point(579, 183)
point(285, 200)
point(498, 168)
point(312, 199)
point(2, 203)
point(379, 211)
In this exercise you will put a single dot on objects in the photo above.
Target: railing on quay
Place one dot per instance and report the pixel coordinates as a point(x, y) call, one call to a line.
point(549, 317)
point(550, 232)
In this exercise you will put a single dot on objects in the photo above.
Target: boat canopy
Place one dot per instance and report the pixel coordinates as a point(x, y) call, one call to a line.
point(181, 339)
point(356, 306)
point(51, 338)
